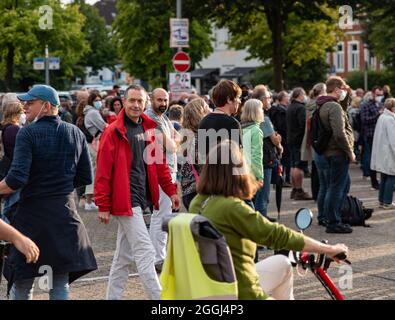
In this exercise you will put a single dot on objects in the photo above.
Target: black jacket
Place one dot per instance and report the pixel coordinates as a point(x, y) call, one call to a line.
point(296, 122)
point(278, 115)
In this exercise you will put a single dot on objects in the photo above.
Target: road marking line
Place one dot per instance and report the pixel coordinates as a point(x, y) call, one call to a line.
point(131, 275)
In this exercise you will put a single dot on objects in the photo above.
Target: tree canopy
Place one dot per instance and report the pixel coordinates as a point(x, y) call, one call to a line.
point(142, 30)
point(283, 33)
point(22, 39)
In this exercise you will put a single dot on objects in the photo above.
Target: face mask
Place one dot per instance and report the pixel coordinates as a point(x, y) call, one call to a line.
point(305, 99)
point(22, 119)
point(379, 98)
point(343, 95)
point(97, 104)
point(37, 116)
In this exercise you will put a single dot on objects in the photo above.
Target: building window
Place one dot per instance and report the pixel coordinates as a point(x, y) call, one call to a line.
point(353, 55)
point(338, 57)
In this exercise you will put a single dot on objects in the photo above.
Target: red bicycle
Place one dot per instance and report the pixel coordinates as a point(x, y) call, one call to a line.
point(318, 264)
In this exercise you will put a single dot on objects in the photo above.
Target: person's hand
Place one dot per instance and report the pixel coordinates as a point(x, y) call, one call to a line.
point(104, 217)
point(336, 249)
point(280, 150)
point(260, 184)
point(352, 157)
point(27, 247)
point(175, 201)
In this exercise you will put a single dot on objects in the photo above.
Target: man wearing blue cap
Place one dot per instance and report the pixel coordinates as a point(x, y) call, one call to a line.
point(51, 159)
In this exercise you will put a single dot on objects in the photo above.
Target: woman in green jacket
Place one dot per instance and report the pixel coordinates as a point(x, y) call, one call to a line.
point(222, 189)
point(251, 117)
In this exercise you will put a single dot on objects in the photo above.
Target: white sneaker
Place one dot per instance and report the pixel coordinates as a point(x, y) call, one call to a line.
point(388, 206)
point(91, 206)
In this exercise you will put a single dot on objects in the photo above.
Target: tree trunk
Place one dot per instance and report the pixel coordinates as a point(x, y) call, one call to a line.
point(9, 75)
point(276, 22)
point(277, 41)
point(163, 67)
point(163, 75)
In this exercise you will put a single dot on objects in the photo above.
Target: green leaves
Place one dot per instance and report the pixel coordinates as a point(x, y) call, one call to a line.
point(380, 35)
point(142, 31)
point(21, 32)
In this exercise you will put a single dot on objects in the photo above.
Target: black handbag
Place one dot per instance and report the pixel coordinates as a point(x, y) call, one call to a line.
point(269, 153)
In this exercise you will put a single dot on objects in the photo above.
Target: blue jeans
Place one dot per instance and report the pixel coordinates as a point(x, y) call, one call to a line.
point(338, 187)
point(386, 191)
point(261, 199)
point(23, 289)
point(322, 166)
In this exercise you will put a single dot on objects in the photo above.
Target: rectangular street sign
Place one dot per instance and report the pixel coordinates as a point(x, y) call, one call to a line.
point(38, 63)
point(179, 33)
point(54, 63)
point(180, 81)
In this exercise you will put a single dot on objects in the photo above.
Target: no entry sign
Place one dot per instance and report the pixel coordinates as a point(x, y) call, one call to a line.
point(181, 62)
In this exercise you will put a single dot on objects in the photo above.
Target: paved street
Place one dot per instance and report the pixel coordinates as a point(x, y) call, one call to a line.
point(372, 252)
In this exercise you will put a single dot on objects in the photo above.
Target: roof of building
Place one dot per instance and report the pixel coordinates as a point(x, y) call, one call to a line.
point(201, 73)
point(238, 72)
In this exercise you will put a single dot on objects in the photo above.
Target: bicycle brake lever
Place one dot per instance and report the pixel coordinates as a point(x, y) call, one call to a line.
point(343, 257)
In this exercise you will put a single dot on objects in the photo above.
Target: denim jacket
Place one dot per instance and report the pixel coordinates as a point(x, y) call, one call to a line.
point(50, 159)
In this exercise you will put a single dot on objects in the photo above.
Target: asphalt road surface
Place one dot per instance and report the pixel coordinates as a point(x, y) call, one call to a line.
point(372, 253)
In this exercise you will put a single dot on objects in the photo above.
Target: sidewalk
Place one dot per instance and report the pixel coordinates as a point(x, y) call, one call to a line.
point(372, 251)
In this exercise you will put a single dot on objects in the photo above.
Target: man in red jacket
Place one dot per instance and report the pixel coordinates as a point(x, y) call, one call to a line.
point(130, 169)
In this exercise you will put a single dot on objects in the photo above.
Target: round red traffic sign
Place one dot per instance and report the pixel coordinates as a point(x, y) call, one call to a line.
point(181, 62)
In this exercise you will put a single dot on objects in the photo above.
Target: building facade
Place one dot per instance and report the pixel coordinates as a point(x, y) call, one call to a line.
point(351, 53)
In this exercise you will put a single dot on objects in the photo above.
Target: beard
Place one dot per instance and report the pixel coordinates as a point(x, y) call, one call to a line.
point(162, 109)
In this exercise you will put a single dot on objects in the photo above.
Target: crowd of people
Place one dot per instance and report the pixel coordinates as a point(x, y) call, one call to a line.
point(216, 154)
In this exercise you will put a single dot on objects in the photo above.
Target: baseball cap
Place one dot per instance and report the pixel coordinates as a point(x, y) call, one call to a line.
point(41, 92)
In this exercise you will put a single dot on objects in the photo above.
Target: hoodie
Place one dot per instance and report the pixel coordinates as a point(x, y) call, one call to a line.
point(93, 120)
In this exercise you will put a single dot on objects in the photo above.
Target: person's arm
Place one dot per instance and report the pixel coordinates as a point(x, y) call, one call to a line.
point(104, 167)
point(97, 120)
point(252, 225)
point(257, 154)
point(26, 246)
point(315, 246)
point(83, 174)
point(336, 122)
point(275, 138)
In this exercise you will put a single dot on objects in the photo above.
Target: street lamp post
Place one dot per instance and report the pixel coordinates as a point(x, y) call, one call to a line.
point(179, 15)
point(46, 65)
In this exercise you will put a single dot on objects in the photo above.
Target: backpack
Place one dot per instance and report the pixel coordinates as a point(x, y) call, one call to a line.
point(320, 136)
point(354, 213)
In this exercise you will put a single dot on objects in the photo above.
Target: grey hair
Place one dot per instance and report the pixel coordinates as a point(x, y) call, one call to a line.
point(136, 87)
point(297, 92)
point(252, 111)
